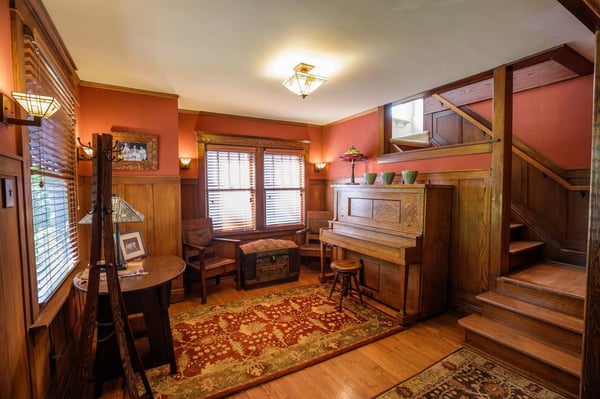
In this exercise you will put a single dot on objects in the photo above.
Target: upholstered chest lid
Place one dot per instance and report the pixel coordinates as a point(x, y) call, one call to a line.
point(268, 244)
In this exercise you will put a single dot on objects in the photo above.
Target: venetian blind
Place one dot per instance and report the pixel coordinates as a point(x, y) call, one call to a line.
point(53, 176)
point(284, 187)
point(231, 187)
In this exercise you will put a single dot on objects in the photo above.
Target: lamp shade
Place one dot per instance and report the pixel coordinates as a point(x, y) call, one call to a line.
point(122, 212)
point(36, 105)
point(303, 83)
point(353, 155)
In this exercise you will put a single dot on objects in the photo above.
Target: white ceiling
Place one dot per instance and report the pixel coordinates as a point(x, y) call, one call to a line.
point(230, 56)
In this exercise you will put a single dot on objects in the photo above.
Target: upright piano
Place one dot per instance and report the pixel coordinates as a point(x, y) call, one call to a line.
point(401, 236)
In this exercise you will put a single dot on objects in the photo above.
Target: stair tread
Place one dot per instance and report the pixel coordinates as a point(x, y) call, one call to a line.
point(566, 361)
point(516, 247)
point(531, 310)
point(561, 277)
point(516, 225)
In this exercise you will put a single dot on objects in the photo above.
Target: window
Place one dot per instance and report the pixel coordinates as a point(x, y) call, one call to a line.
point(254, 188)
point(284, 188)
point(231, 189)
point(52, 170)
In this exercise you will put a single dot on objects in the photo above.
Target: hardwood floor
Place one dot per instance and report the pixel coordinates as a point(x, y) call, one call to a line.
point(361, 373)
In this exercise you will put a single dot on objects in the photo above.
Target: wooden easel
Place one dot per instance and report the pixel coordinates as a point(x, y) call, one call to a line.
point(102, 237)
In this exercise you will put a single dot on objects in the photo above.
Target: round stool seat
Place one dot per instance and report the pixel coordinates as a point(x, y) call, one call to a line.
point(345, 266)
point(346, 270)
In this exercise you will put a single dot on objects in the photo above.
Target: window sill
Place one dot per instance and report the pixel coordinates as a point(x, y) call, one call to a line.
point(47, 315)
point(257, 234)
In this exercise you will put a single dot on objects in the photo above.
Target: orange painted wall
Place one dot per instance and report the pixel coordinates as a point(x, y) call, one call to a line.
point(362, 133)
point(555, 120)
point(103, 110)
point(8, 138)
point(242, 126)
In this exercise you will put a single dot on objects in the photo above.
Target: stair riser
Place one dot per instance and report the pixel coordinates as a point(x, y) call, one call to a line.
point(547, 374)
point(515, 232)
point(552, 334)
point(523, 258)
point(566, 304)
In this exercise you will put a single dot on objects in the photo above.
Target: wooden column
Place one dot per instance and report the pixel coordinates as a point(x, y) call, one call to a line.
point(590, 374)
point(501, 173)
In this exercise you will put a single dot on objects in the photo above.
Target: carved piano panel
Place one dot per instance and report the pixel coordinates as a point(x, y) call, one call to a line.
point(401, 235)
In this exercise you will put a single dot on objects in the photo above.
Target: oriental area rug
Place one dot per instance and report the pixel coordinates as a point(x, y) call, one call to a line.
point(466, 375)
point(224, 349)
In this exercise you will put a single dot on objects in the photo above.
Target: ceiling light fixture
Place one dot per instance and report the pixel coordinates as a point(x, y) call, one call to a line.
point(302, 82)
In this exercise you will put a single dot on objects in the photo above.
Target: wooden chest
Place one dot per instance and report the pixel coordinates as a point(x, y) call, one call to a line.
point(269, 261)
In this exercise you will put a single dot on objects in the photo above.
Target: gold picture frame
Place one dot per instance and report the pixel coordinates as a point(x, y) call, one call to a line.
point(137, 151)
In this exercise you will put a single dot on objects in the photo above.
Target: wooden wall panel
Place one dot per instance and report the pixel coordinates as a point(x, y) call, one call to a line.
point(190, 206)
point(316, 195)
point(157, 198)
point(554, 214)
point(15, 376)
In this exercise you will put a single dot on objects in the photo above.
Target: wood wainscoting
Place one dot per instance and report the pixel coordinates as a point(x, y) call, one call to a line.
point(158, 198)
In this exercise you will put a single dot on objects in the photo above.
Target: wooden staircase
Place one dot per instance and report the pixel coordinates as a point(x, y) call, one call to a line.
point(533, 321)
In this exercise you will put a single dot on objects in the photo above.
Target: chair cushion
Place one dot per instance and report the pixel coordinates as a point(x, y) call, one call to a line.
point(268, 244)
point(200, 237)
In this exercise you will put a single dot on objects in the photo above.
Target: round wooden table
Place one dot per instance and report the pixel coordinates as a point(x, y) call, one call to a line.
point(146, 289)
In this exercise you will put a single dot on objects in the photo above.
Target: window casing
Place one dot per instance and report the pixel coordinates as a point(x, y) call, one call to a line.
point(254, 188)
point(284, 188)
point(231, 188)
point(52, 155)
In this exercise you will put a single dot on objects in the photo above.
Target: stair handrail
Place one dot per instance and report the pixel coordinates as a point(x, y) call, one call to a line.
point(547, 171)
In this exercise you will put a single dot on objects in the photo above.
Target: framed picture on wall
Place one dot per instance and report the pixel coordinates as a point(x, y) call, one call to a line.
point(132, 245)
point(137, 151)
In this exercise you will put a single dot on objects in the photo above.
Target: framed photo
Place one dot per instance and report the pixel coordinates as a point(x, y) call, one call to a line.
point(132, 245)
point(137, 151)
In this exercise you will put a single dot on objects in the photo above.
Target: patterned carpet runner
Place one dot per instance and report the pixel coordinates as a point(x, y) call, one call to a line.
point(466, 375)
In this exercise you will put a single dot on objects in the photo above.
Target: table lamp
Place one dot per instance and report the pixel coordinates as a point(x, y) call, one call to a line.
point(122, 212)
point(353, 155)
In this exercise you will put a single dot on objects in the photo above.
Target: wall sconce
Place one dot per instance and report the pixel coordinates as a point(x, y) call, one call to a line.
point(84, 152)
point(35, 105)
point(320, 166)
point(184, 163)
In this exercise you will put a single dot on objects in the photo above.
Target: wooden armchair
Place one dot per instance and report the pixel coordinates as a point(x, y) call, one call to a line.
point(207, 256)
point(308, 241)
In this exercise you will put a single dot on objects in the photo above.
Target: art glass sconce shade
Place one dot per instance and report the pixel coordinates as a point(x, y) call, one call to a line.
point(320, 166)
point(302, 82)
point(35, 105)
point(184, 163)
point(353, 155)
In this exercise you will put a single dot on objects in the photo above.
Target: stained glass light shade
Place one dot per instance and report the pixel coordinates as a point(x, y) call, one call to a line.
point(37, 105)
point(353, 155)
point(302, 82)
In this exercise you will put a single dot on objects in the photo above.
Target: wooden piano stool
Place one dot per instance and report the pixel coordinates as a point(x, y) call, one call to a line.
point(347, 271)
